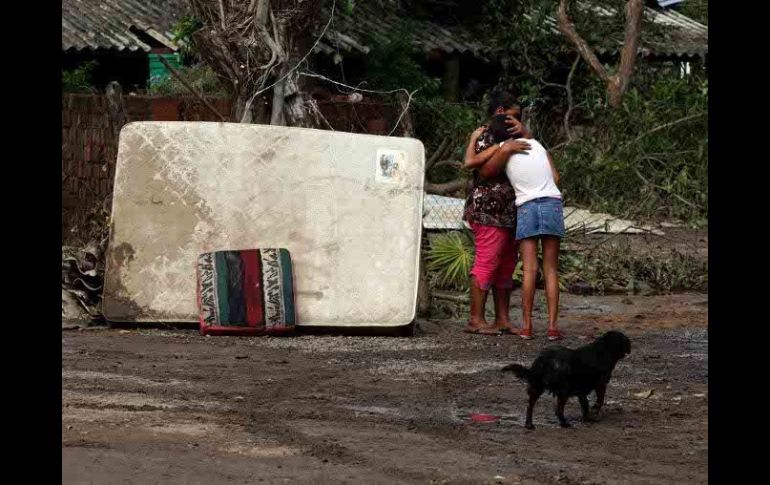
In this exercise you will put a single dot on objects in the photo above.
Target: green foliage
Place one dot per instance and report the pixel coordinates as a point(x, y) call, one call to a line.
point(616, 268)
point(182, 36)
point(626, 161)
point(391, 64)
point(450, 256)
point(348, 6)
point(78, 80)
point(200, 76)
point(648, 159)
point(696, 9)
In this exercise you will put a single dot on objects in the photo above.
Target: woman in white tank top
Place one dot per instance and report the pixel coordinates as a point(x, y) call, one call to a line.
point(540, 217)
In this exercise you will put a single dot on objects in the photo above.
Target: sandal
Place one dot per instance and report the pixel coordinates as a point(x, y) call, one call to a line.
point(525, 333)
point(486, 330)
point(510, 331)
point(478, 329)
point(554, 334)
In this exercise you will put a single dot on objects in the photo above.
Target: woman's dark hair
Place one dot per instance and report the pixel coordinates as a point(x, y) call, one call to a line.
point(501, 99)
point(498, 128)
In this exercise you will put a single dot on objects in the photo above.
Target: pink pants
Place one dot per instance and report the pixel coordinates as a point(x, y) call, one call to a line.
point(496, 256)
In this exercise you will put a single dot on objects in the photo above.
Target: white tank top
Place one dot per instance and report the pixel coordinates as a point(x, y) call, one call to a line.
point(530, 174)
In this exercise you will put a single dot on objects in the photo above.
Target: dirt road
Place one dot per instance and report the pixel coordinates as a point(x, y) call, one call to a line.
point(169, 406)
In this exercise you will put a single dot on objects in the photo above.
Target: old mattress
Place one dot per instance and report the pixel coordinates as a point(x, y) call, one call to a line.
point(348, 207)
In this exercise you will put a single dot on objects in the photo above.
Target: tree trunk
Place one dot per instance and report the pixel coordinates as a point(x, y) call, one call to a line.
point(617, 84)
point(451, 80)
point(116, 110)
point(277, 113)
point(251, 45)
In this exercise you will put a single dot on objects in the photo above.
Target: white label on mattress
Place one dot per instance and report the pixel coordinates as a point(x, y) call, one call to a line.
point(389, 165)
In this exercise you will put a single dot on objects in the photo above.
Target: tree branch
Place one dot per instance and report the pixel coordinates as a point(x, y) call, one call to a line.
point(570, 101)
point(567, 28)
point(634, 10)
point(222, 14)
point(179, 77)
point(617, 84)
point(448, 163)
point(437, 154)
point(663, 127)
point(659, 187)
point(405, 103)
point(445, 188)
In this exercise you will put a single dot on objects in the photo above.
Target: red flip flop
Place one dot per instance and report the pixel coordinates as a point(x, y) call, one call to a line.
point(525, 333)
point(554, 335)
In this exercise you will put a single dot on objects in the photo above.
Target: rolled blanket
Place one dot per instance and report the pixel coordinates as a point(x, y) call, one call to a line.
point(246, 292)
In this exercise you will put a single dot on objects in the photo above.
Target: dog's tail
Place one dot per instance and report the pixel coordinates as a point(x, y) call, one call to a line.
point(519, 370)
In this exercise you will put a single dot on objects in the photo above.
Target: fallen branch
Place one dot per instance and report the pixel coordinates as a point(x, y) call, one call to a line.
point(663, 127)
point(442, 295)
point(179, 77)
point(437, 153)
point(445, 188)
point(659, 187)
point(449, 163)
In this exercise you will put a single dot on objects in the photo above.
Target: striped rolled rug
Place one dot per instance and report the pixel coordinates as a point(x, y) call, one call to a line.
point(246, 292)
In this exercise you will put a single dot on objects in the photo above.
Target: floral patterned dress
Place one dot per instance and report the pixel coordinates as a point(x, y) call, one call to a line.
point(490, 202)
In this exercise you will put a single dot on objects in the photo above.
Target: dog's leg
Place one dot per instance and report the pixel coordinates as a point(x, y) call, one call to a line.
point(561, 400)
point(600, 390)
point(584, 407)
point(534, 395)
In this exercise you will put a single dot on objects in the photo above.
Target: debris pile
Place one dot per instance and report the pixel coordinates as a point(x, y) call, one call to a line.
point(82, 277)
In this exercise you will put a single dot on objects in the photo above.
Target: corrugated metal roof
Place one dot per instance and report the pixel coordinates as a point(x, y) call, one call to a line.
point(108, 24)
point(349, 32)
point(677, 35)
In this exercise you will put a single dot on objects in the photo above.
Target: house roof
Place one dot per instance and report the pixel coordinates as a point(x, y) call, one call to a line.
point(350, 31)
point(128, 24)
point(117, 24)
point(671, 34)
point(676, 35)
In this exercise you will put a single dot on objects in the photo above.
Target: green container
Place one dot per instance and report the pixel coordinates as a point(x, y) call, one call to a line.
point(158, 71)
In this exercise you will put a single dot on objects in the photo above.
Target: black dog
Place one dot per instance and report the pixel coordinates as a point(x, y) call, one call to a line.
point(566, 372)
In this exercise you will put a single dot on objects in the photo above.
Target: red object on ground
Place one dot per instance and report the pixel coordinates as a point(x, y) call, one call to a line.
point(483, 418)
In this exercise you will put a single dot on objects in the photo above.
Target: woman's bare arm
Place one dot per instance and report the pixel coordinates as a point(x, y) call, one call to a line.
point(476, 160)
point(496, 164)
point(473, 159)
point(556, 176)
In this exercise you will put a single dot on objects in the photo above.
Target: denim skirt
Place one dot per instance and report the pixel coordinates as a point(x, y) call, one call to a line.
point(540, 217)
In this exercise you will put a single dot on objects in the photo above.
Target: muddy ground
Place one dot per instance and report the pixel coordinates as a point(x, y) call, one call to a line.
point(170, 406)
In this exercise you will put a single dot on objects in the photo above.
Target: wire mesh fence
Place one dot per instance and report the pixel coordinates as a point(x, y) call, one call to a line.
point(440, 212)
